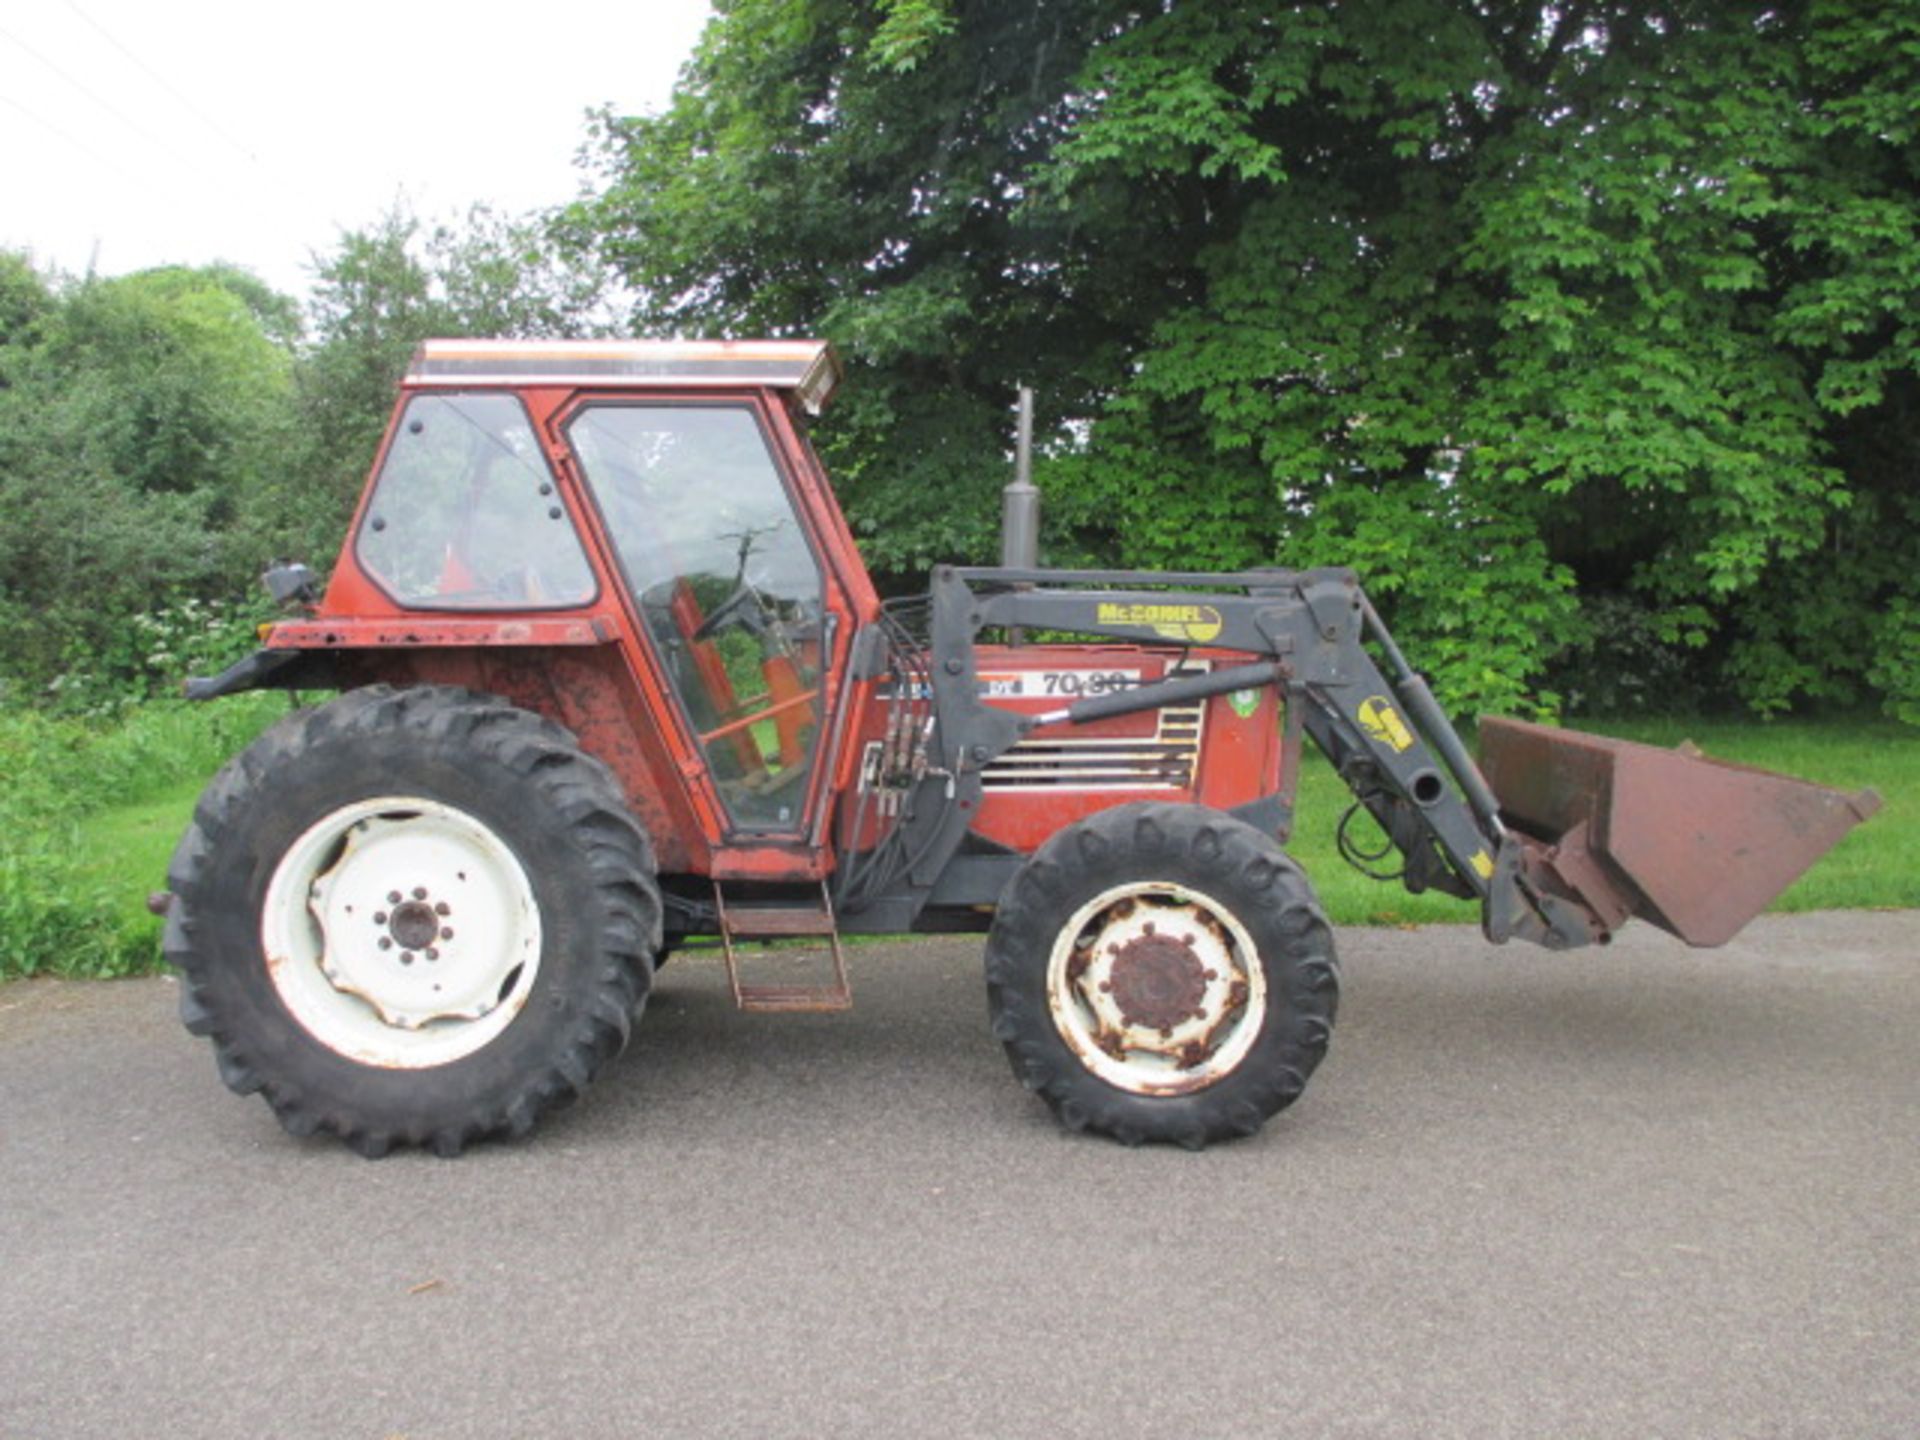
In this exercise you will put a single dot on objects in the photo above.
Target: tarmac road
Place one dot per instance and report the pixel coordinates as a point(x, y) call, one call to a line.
point(1638, 1192)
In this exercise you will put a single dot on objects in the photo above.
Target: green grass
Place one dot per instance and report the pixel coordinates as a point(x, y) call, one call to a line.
point(124, 851)
point(1349, 897)
point(1877, 866)
point(89, 816)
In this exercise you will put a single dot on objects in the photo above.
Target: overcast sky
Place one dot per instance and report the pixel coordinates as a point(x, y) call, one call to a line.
point(150, 132)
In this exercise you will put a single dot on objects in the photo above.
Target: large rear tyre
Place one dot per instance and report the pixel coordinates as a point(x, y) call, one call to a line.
point(1162, 972)
point(415, 916)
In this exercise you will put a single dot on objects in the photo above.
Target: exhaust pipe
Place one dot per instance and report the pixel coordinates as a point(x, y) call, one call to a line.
point(1020, 505)
point(1694, 845)
point(1020, 501)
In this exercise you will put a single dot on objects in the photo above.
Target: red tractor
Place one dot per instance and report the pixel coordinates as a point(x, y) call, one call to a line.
point(611, 676)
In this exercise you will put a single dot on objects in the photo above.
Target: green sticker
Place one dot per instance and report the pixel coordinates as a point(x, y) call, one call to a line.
point(1244, 702)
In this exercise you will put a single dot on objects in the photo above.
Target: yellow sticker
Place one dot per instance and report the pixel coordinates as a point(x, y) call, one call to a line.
point(1482, 864)
point(1195, 624)
point(1383, 723)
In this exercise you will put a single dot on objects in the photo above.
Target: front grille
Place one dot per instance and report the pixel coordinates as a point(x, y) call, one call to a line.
point(1165, 760)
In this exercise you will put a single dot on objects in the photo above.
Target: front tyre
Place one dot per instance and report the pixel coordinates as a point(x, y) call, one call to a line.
point(1162, 972)
point(414, 916)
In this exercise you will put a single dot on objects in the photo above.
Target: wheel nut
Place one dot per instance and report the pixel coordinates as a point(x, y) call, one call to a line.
point(419, 892)
point(446, 932)
point(393, 897)
point(381, 918)
point(406, 957)
point(443, 908)
point(432, 954)
point(385, 943)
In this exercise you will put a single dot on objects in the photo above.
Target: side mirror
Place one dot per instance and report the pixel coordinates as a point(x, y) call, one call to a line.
point(292, 585)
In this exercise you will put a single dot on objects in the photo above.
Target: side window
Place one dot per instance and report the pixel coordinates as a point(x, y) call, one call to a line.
point(464, 515)
point(726, 583)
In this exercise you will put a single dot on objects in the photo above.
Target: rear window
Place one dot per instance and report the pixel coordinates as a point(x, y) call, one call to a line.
point(465, 515)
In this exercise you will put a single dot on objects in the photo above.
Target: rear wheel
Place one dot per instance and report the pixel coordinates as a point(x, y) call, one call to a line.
point(413, 916)
point(1162, 972)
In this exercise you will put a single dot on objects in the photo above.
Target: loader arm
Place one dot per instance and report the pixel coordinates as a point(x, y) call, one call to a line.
point(1579, 833)
point(1388, 739)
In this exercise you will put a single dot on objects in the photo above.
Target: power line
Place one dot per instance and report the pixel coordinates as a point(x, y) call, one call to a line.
point(164, 83)
point(101, 101)
point(80, 145)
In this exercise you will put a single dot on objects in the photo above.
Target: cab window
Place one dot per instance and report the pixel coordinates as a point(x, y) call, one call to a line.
point(726, 585)
point(464, 515)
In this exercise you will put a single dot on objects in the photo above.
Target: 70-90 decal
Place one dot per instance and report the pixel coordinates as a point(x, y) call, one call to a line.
point(1075, 684)
point(1055, 684)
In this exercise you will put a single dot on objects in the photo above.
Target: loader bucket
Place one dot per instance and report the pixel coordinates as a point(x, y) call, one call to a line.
point(1694, 845)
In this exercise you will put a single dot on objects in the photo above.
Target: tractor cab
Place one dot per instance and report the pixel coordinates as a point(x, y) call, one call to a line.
point(654, 502)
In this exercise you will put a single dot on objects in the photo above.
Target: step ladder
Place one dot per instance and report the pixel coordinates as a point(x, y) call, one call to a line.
point(764, 920)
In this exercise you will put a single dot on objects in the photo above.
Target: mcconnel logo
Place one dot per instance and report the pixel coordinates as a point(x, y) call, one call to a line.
point(1195, 624)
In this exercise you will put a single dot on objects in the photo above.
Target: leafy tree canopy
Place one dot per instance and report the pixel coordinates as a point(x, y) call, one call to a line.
point(1584, 331)
point(139, 418)
point(164, 435)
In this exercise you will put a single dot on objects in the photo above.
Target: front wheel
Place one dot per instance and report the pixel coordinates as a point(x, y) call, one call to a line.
point(1162, 972)
point(413, 916)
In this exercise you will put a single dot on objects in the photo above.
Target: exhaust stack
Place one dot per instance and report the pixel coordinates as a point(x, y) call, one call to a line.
point(1020, 501)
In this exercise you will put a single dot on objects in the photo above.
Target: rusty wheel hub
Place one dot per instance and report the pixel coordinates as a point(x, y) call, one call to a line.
point(1156, 988)
point(1158, 982)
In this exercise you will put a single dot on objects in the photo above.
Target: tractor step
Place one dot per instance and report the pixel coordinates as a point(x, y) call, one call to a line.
point(757, 920)
point(747, 920)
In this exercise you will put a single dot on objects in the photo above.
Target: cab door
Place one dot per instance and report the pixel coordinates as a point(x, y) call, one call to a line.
point(726, 581)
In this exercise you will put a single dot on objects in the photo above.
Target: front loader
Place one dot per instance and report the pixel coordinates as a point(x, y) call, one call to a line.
point(613, 682)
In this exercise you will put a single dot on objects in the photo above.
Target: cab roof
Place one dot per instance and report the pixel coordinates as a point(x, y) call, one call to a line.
point(808, 369)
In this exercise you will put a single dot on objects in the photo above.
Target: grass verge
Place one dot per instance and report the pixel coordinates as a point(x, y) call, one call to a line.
point(89, 818)
point(1877, 866)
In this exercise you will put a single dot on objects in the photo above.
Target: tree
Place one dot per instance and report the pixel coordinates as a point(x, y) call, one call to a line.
point(140, 420)
point(383, 289)
point(25, 301)
point(1536, 314)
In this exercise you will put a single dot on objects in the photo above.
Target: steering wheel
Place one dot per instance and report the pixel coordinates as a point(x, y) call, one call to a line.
point(734, 605)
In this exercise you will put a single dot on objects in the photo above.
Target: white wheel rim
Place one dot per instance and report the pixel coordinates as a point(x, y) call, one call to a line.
point(401, 932)
point(1157, 988)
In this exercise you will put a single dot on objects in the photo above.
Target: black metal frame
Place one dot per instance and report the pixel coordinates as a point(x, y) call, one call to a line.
point(1388, 738)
